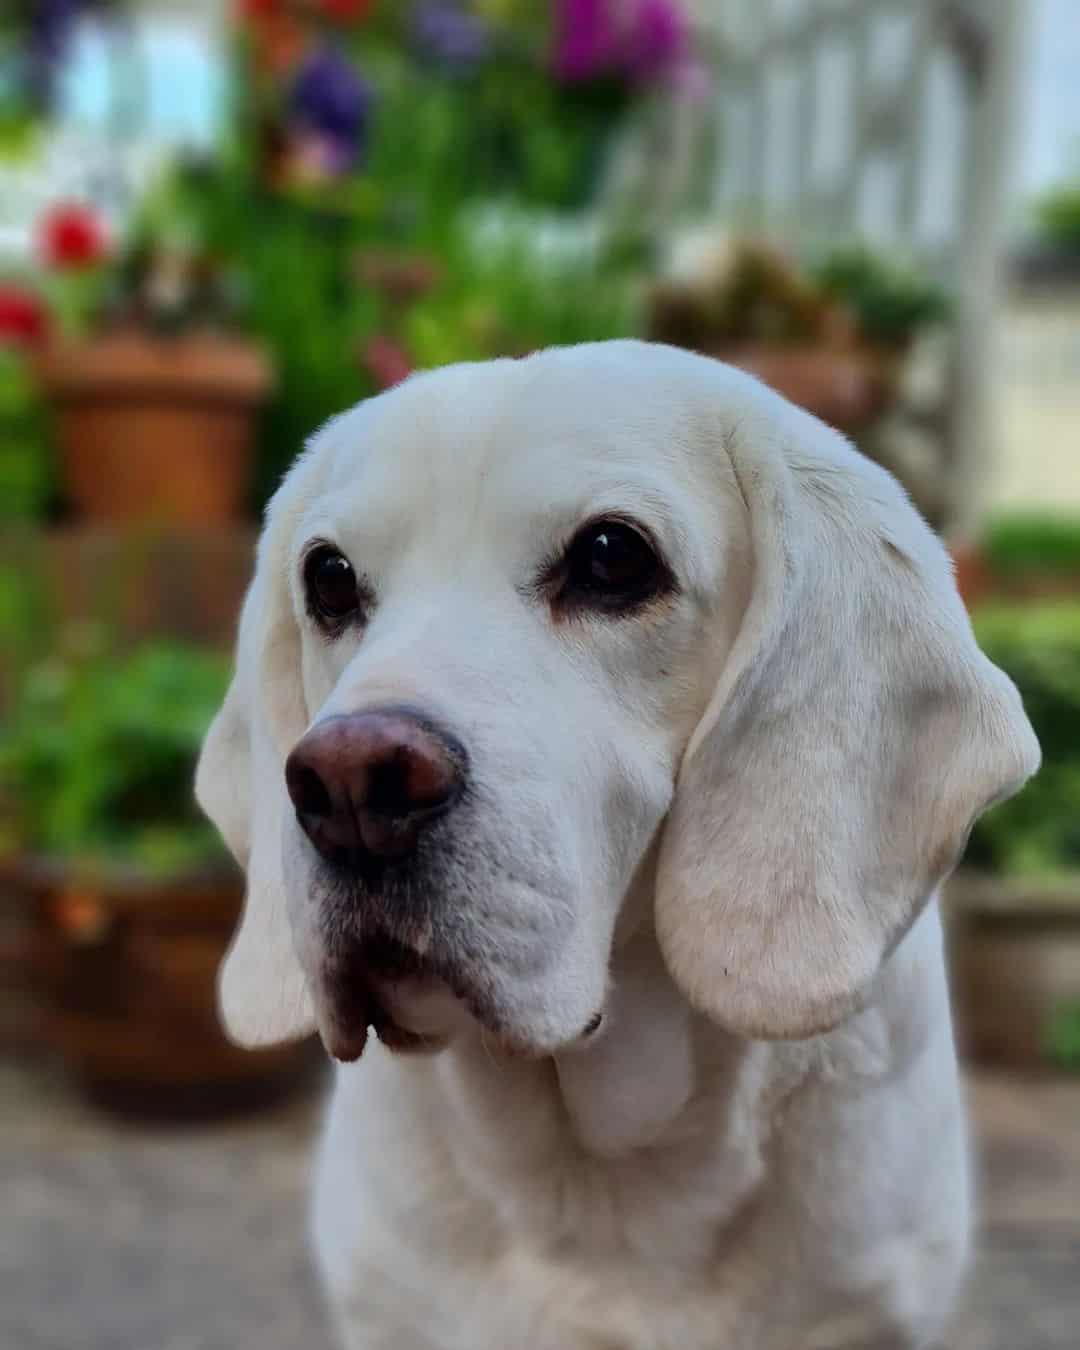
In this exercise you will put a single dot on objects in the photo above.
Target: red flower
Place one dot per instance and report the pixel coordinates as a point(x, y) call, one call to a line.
point(386, 361)
point(258, 9)
point(347, 11)
point(72, 236)
point(22, 317)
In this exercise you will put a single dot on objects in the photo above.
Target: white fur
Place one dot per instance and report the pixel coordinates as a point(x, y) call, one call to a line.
point(723, 820)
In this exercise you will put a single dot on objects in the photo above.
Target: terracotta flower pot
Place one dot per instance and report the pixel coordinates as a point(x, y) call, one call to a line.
point(156, 429)
point(127, 970)
point(846, 387)
point(1015, 956)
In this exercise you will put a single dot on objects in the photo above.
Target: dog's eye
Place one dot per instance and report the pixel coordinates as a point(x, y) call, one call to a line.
point(612, 566)
point(333, 593)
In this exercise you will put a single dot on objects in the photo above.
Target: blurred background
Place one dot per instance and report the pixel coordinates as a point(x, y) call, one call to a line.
point(222, 222)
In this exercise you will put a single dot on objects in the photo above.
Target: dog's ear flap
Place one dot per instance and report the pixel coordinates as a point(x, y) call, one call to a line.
point(263, 997)
point(855, 733)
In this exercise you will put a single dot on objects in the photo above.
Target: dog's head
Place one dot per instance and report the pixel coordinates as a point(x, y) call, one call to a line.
point(540, 651)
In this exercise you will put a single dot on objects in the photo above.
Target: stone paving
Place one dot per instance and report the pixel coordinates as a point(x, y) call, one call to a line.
point(116, 1237)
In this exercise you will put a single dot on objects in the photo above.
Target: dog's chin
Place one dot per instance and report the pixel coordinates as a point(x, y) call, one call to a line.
point(422, 1014)
point(409, 1015)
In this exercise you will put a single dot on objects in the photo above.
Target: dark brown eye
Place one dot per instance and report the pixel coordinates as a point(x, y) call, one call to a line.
point(612, 566)
point(333, 594)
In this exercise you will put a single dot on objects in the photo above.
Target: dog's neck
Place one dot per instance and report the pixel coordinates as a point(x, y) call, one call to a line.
point(628, 1084)
point(618, 1091)
point(564, 1149)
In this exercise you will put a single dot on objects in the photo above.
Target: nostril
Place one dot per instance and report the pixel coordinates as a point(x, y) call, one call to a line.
point(307, 789)
point(387, 792)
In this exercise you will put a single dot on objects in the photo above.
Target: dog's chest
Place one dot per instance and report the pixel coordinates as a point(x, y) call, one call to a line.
point(459, 1191)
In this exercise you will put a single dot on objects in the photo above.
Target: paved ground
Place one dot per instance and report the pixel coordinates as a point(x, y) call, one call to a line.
point(121, 1238)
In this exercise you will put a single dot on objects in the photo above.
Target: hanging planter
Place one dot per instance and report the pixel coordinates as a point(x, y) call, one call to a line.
point(155, 428)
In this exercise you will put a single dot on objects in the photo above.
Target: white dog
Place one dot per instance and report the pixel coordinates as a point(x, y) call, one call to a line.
point(606, 724)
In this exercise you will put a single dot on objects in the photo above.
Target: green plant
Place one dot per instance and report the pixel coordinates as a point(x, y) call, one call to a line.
point(1037, 833)
point(25, 478)
point(1033, 543)
point(890, 302)
point(1063, 1035)
point(98, 752)
point(1057, 216)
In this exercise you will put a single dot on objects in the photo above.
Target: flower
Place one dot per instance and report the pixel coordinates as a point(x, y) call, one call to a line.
point(450, 37)
point(348, 11)
point(641, 40)
point(72, 237)
point(276, 35)
point(400, 277)
point(658, 40)
point(386, 361)
point(587, 39)
point(23, 319)
point(330, 110)
point(52, 23)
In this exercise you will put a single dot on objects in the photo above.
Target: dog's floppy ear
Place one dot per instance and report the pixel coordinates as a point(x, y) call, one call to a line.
point(240, 785)
point(855, 733)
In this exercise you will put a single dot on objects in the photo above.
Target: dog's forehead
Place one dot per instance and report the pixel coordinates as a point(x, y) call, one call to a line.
point(549, 432)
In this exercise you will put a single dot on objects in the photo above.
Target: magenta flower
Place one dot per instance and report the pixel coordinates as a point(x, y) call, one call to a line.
point(587, 39)
point(658, 39)
point(639, 40)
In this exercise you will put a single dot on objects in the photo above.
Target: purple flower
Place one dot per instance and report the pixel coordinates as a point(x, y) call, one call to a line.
point(52, 23)
point(331, 103)
point(658, 40)
point(641, 40)
point(587, 39)
point(450, 37)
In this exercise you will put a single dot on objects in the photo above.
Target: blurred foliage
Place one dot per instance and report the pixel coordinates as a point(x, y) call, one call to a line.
point(457, 110)
point(890, 303)
point(25, 478)
point(1034, 543)
point(1057, 217)
point(98, 752)
point(745, 290)
point(1037, 833)
point(1063, 1036)
point(366, 126)
point(298, 285)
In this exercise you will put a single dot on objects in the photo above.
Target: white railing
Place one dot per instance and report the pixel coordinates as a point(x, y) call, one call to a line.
point(890, 121)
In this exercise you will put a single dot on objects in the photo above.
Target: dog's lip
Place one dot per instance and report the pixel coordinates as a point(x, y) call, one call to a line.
point(387, 987)
point(414, 1004)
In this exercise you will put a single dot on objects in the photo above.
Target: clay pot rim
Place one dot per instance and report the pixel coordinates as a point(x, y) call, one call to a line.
point(204, 365)
point(1029, 902)
point(125, 883)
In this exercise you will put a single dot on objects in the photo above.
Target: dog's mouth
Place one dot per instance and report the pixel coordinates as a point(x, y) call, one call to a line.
point(413, 1002)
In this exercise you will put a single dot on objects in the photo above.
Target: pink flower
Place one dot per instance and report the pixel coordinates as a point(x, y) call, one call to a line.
point(641, 40)
point(587, 39)
point(658, 39)
point(387, 361)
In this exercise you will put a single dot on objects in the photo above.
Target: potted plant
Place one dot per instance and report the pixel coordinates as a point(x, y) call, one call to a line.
point(132, 901)
point(25, 482)
point(1015, 903)
point(1032, 556)
point(831, 339)
point(154, 390)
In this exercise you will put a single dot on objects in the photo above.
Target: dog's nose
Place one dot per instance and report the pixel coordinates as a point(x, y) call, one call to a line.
point(368, 782)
